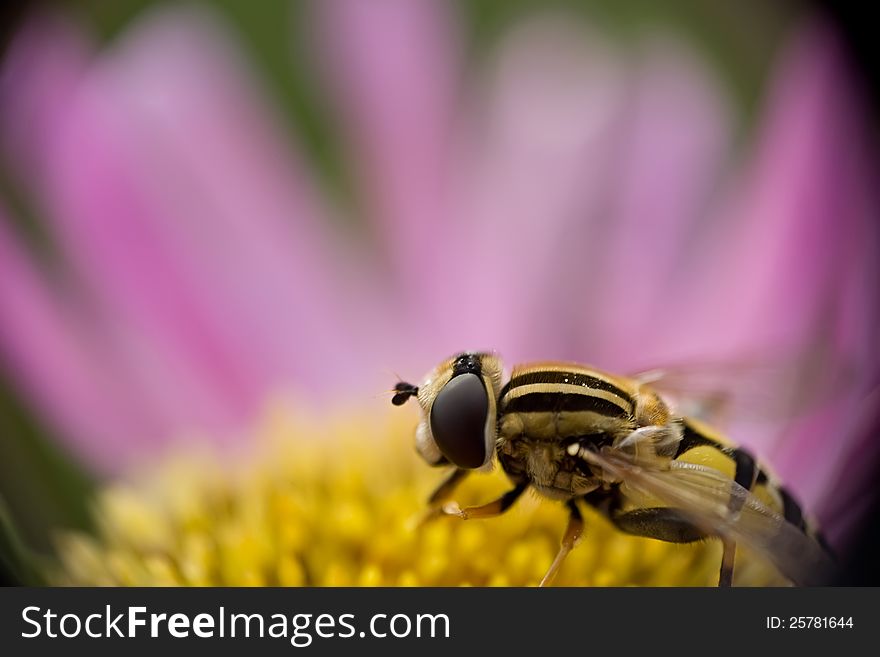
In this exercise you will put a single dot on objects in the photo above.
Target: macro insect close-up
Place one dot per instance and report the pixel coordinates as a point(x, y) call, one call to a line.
point(227, 229)
point(581, 436)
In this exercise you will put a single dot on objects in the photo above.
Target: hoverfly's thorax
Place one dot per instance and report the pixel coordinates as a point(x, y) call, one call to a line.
point(552, 401)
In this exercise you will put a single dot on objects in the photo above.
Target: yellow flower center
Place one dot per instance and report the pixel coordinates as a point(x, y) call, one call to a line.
point(337, 502)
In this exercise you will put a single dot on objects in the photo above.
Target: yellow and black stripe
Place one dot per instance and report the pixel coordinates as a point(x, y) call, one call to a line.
point(701, 445)
point(550, 388)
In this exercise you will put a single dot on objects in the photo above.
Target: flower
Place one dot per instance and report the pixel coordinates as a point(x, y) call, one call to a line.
point(344, 511)
point(565, 200)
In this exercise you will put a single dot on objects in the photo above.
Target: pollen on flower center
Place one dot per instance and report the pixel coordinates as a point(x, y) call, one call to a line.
point(338, 503)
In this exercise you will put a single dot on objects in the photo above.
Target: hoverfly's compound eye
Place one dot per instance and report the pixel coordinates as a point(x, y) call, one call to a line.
point(458, 420)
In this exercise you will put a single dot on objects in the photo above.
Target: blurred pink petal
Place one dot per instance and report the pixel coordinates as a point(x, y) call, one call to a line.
point(214, 159)
point(78, 168)
point(65, 372)
point(42, 67)
point(543, 123)
point(198, 248)
point(104, 216)
point(853, 478)
point(161, 147)
point(775, 259)
point(672, 148)
point(392, 67)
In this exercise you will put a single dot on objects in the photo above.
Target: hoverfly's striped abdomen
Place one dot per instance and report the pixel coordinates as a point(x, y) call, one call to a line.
point(703, 446)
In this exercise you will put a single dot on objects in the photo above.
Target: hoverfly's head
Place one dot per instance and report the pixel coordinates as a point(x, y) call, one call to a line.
point(458, 401)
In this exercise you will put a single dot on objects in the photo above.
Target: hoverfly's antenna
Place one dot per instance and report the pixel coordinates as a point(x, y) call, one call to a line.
point(402, 392)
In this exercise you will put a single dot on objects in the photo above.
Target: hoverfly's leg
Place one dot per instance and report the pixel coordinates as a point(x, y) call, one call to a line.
point(441, 494)
point(489, 510)
point(571, 537)
point(444, 490)
point(669, 525)
point(661, 523)
point(725, 577)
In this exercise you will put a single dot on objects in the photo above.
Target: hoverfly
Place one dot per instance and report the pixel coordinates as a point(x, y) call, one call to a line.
point(578, 435)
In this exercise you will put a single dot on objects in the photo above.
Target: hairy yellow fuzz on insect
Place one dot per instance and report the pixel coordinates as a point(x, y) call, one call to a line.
point(337, 502)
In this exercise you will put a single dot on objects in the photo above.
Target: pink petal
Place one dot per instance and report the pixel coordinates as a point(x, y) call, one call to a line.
point(392, 68)
point(853, 478)
point(104, 217)
point(196, 235)
point(240, 215)
point(672, 148)
point(43, 64)
point(53, 356)
point(565, 209)
point(46, 146)
point(534, 165)
point(767, 272)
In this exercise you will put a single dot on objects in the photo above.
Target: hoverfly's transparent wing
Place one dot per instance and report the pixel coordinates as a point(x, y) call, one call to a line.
point(760, 387)
point(721, 507)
